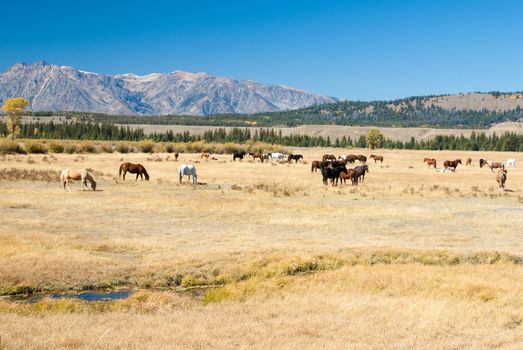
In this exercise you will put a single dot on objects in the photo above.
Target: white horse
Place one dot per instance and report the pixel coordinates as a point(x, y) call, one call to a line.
point(187, 170)
point(277, 155)
point(342, 157)
point(510, 163)
point(81, 175)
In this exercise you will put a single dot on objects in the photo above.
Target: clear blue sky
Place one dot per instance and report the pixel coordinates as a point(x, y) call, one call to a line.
point(350, 49)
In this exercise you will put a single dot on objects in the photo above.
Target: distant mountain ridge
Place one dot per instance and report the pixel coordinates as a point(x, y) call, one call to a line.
point(50, 87)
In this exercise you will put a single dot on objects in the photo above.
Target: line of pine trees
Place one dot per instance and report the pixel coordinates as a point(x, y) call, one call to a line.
point(110, 132)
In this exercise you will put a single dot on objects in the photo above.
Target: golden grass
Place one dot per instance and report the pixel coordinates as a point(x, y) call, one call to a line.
point(409, 259)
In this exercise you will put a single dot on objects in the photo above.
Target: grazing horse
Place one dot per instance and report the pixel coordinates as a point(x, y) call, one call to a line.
point(176, 154)
point(492, 165)
point(257, 155)
point(362, 158)
point(295, 157)
point(188, 170)
point(137, 169)
point(238, 154)
point(351, 158)
point(501, 177)
point(277, 155)
point(81, 175)
point(359, 172)
point(329, 157)
point(315, 165)
point(205, 155)
point(430, 161)
point(469, 161)
point(452, 164)
point(483, 162)
point(510, 163)
point(376, 158)
point(333, 174)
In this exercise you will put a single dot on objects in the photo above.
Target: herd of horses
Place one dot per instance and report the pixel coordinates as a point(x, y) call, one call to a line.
point(331, 167)
point(451, 165)
point(84, 175)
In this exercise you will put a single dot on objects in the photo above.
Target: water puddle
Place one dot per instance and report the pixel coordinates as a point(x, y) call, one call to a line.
point(102, 296)
point(90, 295)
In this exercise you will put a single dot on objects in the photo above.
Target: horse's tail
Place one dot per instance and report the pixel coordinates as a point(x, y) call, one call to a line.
point(62, 178)
point(120, 171)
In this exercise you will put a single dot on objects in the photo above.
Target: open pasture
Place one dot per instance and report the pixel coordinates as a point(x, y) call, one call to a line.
point(408, 257)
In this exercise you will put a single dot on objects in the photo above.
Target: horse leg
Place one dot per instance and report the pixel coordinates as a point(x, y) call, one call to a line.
point(181, 177)
point(137, 177)
point(124, 172)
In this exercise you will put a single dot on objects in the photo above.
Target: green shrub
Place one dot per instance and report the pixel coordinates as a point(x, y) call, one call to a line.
point(70, 148)
point(87, 147)
point(107, 148)
point(146, 146)
point(36, 147)
point(123, 147)
point(8, 146)
point(169, 148)
point(56, 147)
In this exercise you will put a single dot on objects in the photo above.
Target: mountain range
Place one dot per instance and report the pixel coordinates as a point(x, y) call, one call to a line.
point(50, 87)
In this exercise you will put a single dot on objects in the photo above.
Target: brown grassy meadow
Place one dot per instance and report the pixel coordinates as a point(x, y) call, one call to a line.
point(410, 259)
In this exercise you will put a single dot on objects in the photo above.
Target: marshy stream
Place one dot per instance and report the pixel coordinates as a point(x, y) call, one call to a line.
point(99, 296)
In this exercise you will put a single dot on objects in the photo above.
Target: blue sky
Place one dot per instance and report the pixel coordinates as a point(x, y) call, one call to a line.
point(350, 49)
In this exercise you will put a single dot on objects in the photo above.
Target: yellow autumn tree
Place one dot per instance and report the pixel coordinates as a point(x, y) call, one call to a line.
point(374, 138)
point(14, 107)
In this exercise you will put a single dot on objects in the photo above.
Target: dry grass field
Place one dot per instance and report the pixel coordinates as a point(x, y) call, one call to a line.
point(410, 259)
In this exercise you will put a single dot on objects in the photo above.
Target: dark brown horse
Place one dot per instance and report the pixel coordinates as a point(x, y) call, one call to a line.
point(376, 158)
point(295, 157)
point(176, 154)
point(329, 157)
point(137, 169)
point(452, 164)
point(315, 165)
point(362, 158)
point(430, 161)
point(257, 155)
point(351, 158)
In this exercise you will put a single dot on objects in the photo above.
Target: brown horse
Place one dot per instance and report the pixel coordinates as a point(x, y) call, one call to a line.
point(205, 155)
point(347, 175)
point(430, 161)
point(452, 164)
point(495, 165)
point(315, 165)
point(501, 177)
point(257, 155)
point(469, 161)
point(351, 158)
point(361, 158)
point(176, 154)
point(329, 157)
point(376, 158)
point(137, 169)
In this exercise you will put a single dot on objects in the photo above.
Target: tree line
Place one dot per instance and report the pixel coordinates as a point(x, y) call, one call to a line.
point(110, 132)
point(408, 112)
